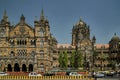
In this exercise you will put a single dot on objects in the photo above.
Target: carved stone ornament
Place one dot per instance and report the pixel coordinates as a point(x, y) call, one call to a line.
point(22, 29)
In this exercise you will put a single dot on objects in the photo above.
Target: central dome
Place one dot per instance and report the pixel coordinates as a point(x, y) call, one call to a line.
point(115, 38)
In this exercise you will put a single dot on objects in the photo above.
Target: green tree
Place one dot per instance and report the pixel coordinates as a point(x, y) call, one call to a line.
point(78, 59)
point(72, 59)
point(95, 54)
point(60, 59)
point(103, 58)
point(65, 60)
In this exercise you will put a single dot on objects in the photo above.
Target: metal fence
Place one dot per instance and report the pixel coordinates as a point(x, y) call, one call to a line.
point(45, 78)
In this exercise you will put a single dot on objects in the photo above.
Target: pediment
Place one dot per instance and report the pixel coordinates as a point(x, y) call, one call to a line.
point(22, 30)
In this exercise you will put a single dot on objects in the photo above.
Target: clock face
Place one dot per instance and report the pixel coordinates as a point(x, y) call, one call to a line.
point(22, 29)
point(2, 32)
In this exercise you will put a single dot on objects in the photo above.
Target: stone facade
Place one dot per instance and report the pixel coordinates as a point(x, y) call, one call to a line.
point(98, 56)
point(27, 48)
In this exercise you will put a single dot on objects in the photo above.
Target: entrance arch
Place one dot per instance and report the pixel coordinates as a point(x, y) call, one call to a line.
point(24, 68)
point(30, 67)
point(9, 68)
point(16, 67)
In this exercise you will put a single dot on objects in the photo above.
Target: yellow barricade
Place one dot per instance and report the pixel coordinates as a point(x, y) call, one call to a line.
point(45, 78)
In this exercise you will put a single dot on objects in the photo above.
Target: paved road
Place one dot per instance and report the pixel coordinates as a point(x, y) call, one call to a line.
point(115, 77)
point(108, 78)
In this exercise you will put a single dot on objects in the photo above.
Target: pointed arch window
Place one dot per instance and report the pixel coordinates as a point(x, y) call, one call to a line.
point(12, 42)
point(41, 67)
point(41, 43)
point(41, 32)
point(41, 54)
point(12, 53)
point(33, 53)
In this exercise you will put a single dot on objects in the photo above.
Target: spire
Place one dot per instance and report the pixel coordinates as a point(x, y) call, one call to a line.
point(80, 19)
point(5, 17)
point(46, 19)
point(114, 34)
point(42, 15)
point(94, 39)
point(22, 19)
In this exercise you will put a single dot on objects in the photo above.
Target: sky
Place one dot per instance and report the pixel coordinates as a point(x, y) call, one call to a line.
point(103, 16)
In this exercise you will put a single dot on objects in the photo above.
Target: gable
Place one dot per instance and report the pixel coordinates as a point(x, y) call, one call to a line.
point(22, 30)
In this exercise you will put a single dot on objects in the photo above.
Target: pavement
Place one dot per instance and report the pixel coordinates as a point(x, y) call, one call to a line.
point(109, 78)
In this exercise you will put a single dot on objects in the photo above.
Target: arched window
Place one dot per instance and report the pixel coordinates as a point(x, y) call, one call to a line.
point(32, 42)
point(12, 53)
point(12, 42)
point(41, 67)
point(41, 43)
point(33, 53)
point(41, 54)
point(41, 32)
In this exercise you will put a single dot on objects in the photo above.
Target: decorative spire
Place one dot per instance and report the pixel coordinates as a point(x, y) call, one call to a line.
point(94, 39)
point(35, 18)
point(115, 34)
point(22, 19)
point(5, 17)
point(80, 19)
point(46, 19)
point(42, 15)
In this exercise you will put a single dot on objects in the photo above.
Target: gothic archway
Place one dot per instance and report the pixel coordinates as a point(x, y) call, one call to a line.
point(30, 67)
point(16, 67)
point(24, 68)
point(9, 68)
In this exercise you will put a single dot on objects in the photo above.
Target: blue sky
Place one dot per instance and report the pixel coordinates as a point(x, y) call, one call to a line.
point(103, 16)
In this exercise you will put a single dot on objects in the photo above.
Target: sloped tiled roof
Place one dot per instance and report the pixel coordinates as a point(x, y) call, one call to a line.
point(102, 45)
point(65, 46)
point(98, 46)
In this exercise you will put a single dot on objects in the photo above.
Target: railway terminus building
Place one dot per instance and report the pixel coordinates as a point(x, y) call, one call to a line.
point(33, 48)
point(26, 48)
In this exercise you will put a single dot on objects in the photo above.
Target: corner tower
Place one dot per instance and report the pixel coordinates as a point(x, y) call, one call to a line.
point(81, 34)
point(81, 41)
point(43, 46)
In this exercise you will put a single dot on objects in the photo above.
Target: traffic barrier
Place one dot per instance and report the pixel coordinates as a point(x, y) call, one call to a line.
point(45, 78)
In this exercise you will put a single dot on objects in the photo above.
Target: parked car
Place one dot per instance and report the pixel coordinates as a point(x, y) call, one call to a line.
point(34, 74)
point(99, 75)
point(3, 74)
point(74, 74)
point(111, 73)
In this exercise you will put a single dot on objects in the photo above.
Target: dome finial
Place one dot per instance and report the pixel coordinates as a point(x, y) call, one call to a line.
point(80, 18)
point(115, 33)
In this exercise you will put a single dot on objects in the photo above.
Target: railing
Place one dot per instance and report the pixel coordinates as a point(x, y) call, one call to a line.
point(45, 78)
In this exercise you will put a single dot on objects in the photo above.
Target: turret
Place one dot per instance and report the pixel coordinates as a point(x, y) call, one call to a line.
point(42, 15)
point(22, 19)
point(93, 40)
